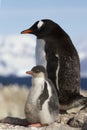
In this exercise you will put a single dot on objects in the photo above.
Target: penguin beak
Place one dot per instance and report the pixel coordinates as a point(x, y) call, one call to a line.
point(26, 31)
point(29, 72)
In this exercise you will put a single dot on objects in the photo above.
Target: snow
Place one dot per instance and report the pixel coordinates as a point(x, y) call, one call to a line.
point(82, 50)
point(17, 54)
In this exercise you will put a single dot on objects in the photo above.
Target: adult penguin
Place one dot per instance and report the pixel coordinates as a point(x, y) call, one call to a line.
point(61, 61)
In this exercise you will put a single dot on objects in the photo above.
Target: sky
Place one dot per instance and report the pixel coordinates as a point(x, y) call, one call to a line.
point(17, 15)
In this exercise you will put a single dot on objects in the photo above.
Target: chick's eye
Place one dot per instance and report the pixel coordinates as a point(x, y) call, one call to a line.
point(37, 71)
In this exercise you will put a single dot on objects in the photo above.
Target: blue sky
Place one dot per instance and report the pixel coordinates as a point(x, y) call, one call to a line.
point(17, 15)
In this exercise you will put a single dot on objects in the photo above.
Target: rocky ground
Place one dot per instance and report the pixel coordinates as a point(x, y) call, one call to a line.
point(12, 101)
point(54, 126)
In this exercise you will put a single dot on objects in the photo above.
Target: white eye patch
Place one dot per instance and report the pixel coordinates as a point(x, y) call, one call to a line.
point(40, 23)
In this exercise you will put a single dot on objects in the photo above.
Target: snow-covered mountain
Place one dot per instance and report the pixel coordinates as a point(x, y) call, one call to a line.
point(82, 50)
point(17, 54)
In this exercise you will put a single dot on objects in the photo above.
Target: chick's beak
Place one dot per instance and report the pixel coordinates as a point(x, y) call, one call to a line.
point(26, 31)
point(29, 72)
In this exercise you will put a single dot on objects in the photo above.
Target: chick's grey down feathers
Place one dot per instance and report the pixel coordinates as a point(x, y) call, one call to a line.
point(42, 104)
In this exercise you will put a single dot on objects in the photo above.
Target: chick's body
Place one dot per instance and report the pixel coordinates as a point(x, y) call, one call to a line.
point(42, 104)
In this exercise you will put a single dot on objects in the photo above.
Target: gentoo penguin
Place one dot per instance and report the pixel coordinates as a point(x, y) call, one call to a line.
point(42, 103)
point(60, 59)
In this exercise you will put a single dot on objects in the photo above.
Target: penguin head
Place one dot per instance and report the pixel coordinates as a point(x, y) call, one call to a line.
point(37, 71)
point(41, 28)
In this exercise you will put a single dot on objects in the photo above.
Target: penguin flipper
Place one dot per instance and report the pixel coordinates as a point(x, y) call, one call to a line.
point(15, 121)
point(53, 105)
point(43, 96)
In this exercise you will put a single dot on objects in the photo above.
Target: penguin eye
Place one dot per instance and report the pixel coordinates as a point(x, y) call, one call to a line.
point(37, 71)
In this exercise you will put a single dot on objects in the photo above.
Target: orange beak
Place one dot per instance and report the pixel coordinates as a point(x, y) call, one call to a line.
point(29, 72)
point(26, 31)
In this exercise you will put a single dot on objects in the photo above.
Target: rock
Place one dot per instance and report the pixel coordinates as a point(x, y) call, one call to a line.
point(54, 126)
point(15, 97)
point(84, 126)
point(79, 118)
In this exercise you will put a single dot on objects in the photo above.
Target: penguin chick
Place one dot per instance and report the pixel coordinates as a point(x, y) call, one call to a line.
point(42, 104)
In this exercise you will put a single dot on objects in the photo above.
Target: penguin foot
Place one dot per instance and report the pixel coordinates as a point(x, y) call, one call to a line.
point(36, 125)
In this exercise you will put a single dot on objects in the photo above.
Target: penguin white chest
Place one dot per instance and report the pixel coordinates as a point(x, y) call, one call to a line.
point(40, 53)
point(44, 114)
point(31, 110)
point(35, 90)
